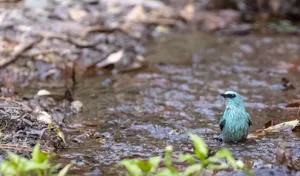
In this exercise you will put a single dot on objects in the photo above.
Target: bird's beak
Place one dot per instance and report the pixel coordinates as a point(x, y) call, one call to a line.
point(223, 95)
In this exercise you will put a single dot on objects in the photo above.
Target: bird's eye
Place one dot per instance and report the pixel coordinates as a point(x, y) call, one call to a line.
point(231, 95)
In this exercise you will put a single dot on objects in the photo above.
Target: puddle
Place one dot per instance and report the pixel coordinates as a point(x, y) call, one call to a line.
point(138, 114)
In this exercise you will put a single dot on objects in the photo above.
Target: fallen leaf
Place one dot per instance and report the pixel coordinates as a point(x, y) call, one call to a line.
point(269, 124)
point(290, 125)
point(282, 126)
point(293, 104)
point(111, 59)
point(296, 128)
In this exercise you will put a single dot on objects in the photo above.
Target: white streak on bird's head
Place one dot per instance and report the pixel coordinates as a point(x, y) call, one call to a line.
point(233, 99)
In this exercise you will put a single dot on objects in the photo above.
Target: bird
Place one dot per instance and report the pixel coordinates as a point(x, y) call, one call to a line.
point(235, 122)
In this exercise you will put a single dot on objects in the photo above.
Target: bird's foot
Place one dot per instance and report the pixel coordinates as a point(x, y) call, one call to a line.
point(219, 138)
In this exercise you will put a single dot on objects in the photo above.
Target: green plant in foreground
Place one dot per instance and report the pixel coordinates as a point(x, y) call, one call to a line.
point(38, 165)
point(197, 162)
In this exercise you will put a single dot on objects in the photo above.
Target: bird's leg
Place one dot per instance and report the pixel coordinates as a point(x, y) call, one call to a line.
point(219, 138)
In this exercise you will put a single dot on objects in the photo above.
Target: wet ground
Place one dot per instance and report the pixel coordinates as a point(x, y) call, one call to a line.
point(135, 115)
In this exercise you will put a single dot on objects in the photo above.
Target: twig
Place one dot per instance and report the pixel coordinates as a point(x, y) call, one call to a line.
point(19, 50)
point(42, 52)
point(100, 28)
point(154, 21)
point(13, 1)
point(76, 42)
point(15, 147)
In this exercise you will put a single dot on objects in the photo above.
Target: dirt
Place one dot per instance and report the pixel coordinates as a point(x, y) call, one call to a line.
point(22, 128)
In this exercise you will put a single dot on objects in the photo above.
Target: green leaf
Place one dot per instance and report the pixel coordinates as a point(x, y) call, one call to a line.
point(65, 170)
point(17, 162)
point(225, 153)
point(187, 157)
point(193, 169)
point(200, 146)
point(168, 156)
point(50, 126)
point(32, 166)
point(7, 168)
point(132, 168)
point(166, 172)
point(218, 166)
point(155, 161)
point(145, 166)
point(61, 135)
point(38, 156)
point(13, 158)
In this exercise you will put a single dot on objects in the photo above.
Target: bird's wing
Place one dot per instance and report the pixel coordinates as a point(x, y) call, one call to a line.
point(249, 120)
point(222, 123)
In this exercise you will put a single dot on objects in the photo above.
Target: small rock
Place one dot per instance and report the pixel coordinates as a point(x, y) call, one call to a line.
point(246, 48)
point(43, 92)
point(44, 117)
point(136, 14)
point(77, 105)
point(77, 14)
point(36, 4)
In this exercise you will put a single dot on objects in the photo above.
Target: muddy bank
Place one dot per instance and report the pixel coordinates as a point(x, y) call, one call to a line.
point(22, 127)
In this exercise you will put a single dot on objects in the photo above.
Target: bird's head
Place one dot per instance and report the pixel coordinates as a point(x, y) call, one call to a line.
point(233, 99)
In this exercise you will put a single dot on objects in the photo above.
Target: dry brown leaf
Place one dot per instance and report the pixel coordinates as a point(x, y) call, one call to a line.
point(293, 104)
point(290, 125)
point(269, 124)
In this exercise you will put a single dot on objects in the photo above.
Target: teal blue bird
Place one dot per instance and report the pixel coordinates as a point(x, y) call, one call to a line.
point(235, 122)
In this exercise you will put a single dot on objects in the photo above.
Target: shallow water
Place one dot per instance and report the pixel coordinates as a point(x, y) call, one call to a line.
point(135, 115)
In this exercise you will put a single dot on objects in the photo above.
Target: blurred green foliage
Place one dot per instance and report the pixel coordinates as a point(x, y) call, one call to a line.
point(38, 165)
point(198, 161)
